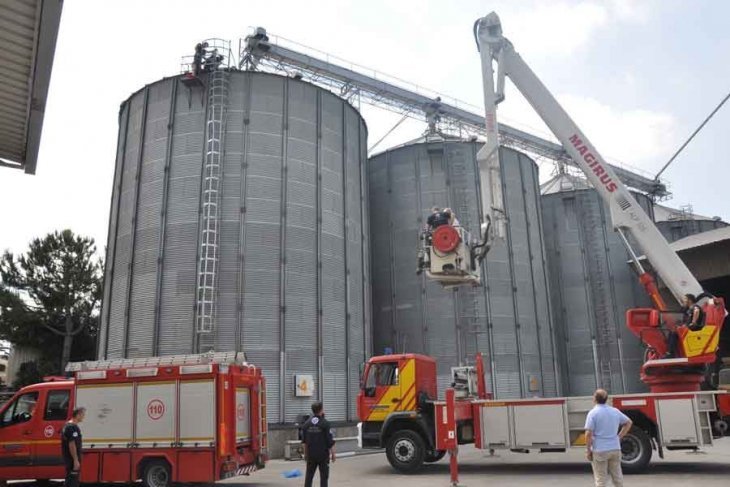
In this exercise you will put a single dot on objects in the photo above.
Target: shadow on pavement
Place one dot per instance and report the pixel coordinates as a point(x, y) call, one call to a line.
point(535, 469)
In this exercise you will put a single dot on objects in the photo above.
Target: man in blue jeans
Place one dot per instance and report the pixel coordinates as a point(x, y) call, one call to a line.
point(605, 427)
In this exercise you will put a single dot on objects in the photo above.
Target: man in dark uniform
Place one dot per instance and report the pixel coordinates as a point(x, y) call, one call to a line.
point(438, 218)
point(71, 447)
point(318, 446)
point(694, 319)
point(199, 57)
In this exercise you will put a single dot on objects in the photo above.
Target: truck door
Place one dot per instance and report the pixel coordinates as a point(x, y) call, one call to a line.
point(46, 437)
point(381, 391)
point(17, 423)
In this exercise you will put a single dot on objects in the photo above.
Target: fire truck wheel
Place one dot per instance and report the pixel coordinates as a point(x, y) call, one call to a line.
point(156, 474)
point(635, 451)
point(405, 451)
point(434, 456)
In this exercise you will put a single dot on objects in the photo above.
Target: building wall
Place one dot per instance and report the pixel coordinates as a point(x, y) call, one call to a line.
point(18, 356)
point(293, 287)
point(508, 318)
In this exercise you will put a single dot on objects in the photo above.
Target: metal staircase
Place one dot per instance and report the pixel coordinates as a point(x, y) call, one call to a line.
point(210, 210)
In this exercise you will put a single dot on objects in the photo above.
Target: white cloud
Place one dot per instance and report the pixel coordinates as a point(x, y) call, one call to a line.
point(636, 137)
point(639, 137)
point(631, 10)
point(561, 28)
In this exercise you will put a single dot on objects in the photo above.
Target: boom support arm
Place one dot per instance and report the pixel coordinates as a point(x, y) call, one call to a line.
point(626, 214)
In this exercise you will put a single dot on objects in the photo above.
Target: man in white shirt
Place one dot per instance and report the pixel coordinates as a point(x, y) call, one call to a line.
point(605, 427)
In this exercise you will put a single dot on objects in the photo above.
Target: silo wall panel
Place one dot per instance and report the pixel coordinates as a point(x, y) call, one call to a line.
point(119, 298)
point(147, 228)
point(301, 238)
point(175, 332)
point(109, 266)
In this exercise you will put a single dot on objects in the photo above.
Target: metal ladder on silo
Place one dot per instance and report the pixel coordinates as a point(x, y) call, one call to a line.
point(601, 309)
point(474, 322)
point(210, 211)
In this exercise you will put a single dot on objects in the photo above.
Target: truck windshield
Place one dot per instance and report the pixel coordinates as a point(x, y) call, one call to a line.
point(382, 374)
point(22, 409)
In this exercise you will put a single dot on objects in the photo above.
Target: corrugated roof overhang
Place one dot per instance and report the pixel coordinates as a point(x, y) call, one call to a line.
point(28, 31)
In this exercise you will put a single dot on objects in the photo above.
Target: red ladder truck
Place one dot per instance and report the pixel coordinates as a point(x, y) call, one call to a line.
point(398, 410)
point(161, 420)
point(398, 403)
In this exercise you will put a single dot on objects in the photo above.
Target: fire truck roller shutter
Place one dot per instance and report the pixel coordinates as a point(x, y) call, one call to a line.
point(197, 412)
point(110, 414)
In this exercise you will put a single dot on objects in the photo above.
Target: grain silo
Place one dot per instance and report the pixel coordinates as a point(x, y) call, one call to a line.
point(239, 222)
point(591, 287)
point(508, 318)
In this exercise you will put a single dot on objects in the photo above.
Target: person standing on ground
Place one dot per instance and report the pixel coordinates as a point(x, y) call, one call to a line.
point(318, 446)
point(71, 447)
point(605, 427)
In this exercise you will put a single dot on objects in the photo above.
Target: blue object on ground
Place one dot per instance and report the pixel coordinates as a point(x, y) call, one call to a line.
point(292, 474)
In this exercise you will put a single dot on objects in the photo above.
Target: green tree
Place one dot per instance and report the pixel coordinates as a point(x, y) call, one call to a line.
point(51, 294)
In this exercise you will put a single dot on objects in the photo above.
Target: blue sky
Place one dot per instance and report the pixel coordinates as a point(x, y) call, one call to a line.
point(636, 76)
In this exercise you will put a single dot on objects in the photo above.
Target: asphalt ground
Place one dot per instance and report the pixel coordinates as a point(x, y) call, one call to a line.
point(711, 467)
point(708, 468)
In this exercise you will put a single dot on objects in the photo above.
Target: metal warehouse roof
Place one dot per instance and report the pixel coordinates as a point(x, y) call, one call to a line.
point(698, 240)
point(701, 239)
point(28, 30)
point(665, 213)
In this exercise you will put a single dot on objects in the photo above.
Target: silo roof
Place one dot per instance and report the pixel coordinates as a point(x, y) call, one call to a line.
point(28, 29)
point(563, 182)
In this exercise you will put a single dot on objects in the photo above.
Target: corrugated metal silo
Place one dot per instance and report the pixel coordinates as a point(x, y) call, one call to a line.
point(508, 318)
point(291, 233)
point(591, 287)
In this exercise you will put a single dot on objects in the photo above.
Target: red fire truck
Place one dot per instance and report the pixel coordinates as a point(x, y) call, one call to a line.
point(399, 412)
point(185, 418)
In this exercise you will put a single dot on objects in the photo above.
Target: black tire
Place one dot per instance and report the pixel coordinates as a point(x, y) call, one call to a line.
point(635, 451)
point(156, 474)
point(435, 456)
point(406, 451)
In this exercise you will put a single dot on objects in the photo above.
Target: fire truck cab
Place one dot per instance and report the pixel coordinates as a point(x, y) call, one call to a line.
point(30, 425)
point(162, 420)
point(396, 407)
